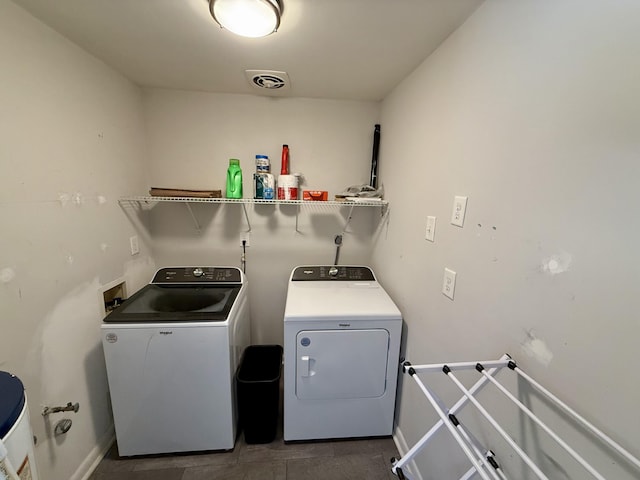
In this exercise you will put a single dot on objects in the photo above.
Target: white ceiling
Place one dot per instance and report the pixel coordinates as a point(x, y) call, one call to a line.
point(343, 49)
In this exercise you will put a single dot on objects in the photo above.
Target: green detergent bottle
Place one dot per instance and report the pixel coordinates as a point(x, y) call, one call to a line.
point(234, 179)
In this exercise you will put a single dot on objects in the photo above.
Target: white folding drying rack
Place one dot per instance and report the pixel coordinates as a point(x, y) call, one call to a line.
point(483, 460)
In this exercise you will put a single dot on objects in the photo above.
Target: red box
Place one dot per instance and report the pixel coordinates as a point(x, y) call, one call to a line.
point(315, 195)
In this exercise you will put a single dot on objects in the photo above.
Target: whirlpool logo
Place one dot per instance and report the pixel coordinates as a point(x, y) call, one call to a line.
point(166, 332)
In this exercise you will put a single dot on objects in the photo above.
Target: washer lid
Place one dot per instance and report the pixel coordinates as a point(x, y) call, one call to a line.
point(11, 401)
point(177, 303)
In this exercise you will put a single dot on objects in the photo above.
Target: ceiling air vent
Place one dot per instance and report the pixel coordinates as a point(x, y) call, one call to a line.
point(268, 81)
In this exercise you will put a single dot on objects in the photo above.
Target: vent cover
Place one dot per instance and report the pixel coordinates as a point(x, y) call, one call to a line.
point(268, 80)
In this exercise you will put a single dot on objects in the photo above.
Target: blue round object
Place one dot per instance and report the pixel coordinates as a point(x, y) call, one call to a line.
point(11, 401)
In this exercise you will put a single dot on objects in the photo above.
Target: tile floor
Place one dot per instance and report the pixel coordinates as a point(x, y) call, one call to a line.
point(363, 459)
point(367, 459)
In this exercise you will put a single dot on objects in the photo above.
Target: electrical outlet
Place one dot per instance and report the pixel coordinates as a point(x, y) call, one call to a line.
point(459, 209)
point(430, 231)
point(449, 283)
point(133, 244)
point(246, 237)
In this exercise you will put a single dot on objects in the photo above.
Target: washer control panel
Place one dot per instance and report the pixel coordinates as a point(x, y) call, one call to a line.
point(198, 275)
point(332, 273)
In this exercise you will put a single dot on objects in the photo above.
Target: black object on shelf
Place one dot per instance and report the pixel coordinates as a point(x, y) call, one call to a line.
point(258, 382)
point(374, 157)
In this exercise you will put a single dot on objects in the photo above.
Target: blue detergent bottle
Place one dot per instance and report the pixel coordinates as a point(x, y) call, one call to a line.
point(234, 179)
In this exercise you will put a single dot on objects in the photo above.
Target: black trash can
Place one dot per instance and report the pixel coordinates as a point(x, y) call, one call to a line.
point(258, 381)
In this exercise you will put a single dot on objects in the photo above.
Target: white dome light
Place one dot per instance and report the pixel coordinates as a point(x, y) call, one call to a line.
point(249, 18)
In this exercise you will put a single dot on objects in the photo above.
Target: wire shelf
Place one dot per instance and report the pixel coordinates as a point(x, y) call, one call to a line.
point(251, 201)
point(145, 202)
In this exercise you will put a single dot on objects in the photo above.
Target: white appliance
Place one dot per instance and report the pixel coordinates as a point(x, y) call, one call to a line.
point(341, 347)
point(171, 353)
point(15, 430)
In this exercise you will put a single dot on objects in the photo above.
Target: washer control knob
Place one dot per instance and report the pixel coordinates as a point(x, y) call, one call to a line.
point(333, 271)
point(198, 272)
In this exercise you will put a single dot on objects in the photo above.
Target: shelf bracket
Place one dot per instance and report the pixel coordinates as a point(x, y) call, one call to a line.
point(344, 230)
point(297, 215)
point(246, 216)
point(195, 220)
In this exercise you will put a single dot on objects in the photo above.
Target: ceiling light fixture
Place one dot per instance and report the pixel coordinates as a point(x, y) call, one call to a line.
point(249, 18)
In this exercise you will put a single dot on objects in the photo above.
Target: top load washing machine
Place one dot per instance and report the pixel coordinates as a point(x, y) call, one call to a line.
point(341, 347)
point(171, 352)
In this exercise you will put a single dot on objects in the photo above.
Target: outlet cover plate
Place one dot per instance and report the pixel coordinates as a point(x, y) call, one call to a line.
point(246, 237)
point(449, 283)
point(459, 209)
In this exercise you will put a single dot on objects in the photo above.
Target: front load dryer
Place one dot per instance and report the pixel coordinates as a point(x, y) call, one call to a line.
point(171, 353)
point(341, 347)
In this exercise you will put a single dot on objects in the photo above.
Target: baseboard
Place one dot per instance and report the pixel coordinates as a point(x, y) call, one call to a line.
point(95, 456)
point(403, 448)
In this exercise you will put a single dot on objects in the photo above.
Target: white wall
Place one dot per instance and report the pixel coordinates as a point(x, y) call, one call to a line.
point(72, 144)
point(532, 109)
point(191, 137)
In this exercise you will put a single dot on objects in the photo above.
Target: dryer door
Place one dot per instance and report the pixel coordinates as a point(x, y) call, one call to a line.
point(338, 364)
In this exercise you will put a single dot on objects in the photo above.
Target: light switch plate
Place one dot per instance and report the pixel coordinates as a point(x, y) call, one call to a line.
point(133, 245)
point(430, 231)
point(459, 209)
point(449, 283)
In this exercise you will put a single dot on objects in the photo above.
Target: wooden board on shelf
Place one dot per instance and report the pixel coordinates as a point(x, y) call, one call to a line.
point(174, 192)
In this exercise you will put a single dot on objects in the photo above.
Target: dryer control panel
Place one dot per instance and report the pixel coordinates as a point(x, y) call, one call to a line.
point(333, 273)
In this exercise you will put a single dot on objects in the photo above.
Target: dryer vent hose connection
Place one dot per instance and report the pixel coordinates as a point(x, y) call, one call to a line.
point(338, 241)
